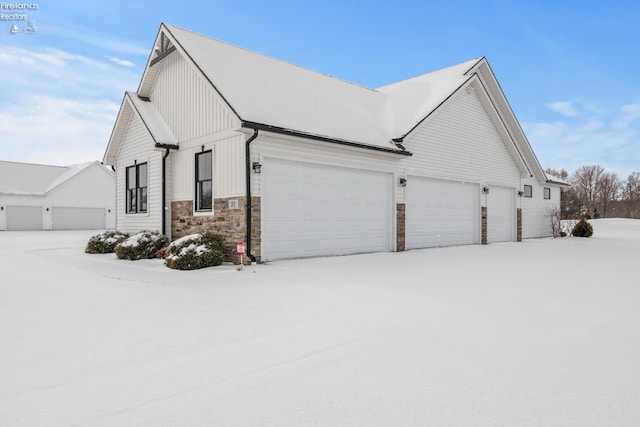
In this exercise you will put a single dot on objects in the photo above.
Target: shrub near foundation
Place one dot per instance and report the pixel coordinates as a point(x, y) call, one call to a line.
point(195, 251)
point(582, 228)
point(143, 245)
point(105, 243)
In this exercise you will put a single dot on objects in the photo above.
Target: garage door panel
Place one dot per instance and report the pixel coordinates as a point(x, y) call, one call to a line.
point(24, 218)
point(312, 210)
point(441, 213)
point(501, 214)
point(69, 218)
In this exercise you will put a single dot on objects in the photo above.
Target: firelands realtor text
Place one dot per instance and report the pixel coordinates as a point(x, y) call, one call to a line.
point(15, 11)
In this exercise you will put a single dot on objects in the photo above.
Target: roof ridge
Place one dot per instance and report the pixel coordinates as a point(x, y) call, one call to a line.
point(270, 57)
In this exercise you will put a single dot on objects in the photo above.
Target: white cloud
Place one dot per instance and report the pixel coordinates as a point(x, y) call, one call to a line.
point(563, 107)
point(123, 62)
point(104, 41)
point(57, 130)
point(58, 107)
point(606, 136)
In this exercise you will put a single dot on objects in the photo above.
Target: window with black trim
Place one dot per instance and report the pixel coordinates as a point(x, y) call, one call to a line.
point(136, 185)
point(547, 193)
point(528, 191)
point(204, 182)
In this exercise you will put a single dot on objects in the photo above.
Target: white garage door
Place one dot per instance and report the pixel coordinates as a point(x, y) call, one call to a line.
point(314, 210)
point(501, 214)
point(20, 218)
point(78, 218)
point(441, 213)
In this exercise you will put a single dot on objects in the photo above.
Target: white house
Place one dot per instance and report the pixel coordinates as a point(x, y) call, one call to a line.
point(42, 197)
point(296, 163)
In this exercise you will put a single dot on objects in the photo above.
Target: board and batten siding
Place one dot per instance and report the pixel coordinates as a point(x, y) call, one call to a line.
point(186, 100)
point(139, 147)
point(228, 168)
point(459, 142)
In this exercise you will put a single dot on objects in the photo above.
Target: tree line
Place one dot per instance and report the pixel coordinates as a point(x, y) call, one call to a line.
point(598, 193)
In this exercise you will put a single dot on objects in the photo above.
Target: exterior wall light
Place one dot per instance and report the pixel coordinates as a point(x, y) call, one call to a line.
point(485, 190)
point(403, 182)
point(520, 193)
point(257, 167)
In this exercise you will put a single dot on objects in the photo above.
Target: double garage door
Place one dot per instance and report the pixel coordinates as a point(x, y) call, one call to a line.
point(29, 218)
point(315, 210)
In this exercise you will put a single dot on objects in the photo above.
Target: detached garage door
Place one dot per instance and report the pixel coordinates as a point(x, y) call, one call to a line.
point(78, 219)
point(314, 210)
point(441, 213)
point(501, 214)
point(20, 218)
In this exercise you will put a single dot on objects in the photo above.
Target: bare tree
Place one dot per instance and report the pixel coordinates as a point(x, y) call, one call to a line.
point(608, 189)
point(585, 182)
point(631, 195)
point(562, 173)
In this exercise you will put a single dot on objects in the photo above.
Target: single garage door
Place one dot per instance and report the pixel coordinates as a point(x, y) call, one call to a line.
point(313, 210)
point(78, 218)
point(441, 213)
point(501, 214)
point(20, 218)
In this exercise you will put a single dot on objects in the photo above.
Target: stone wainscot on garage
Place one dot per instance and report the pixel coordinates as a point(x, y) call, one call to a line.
point(43, 197)
point(299, 164)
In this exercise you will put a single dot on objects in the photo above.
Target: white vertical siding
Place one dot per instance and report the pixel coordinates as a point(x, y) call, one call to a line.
point(139, 147)
point(228, 169)
point(460, 142)
point(187, 101)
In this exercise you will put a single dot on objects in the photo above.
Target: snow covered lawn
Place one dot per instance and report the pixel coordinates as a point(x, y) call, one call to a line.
point(540, 333)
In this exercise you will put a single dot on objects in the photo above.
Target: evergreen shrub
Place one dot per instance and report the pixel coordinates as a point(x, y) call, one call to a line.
point(195, 251)
point(105, 243)
point(582, 228)
point(143, 245)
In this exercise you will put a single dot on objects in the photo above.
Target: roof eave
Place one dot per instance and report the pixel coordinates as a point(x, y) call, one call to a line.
point(322, 138)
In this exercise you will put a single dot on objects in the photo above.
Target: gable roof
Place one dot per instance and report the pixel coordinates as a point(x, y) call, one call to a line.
point(411, 100)
point(133, 104)
point(270, 94)
point(37, 180)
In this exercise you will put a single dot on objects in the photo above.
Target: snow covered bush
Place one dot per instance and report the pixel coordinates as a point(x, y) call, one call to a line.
point(582, 228)
point(105, 243)
point(143, 245)
point(195, 251)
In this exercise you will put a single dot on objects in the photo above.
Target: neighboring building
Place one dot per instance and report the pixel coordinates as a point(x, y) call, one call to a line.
point(297, 163)
point(42, 197)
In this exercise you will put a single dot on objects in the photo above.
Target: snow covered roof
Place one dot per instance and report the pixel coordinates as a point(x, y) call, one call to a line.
point(152, 119)
point(410, 101)
point(262, 90)
point(270, 94)
point(34, 179)
point(555, 180)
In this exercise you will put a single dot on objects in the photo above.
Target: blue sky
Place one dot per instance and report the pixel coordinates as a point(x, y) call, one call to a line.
point(568, 68)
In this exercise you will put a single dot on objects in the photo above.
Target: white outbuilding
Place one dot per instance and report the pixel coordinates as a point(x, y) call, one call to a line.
point(296, 163)
point(44, 197)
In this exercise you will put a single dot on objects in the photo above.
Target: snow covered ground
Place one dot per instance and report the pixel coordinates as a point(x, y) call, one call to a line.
point(540, 333)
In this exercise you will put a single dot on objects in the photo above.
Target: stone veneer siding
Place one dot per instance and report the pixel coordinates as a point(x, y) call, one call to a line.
point(229, 222)
point(519, 223)
point(484, 225)
point(400, 227)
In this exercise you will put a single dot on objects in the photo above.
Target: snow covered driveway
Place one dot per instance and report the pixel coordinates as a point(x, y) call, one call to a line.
point(540, 333)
